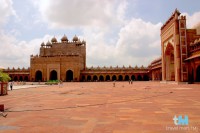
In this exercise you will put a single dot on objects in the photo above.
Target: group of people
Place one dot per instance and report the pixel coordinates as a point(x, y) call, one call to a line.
point(130, 81)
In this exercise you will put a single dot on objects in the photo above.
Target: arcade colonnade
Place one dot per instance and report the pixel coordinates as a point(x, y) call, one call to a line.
point(94, 76)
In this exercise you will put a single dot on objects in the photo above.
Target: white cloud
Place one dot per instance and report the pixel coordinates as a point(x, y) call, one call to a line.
point(192, 20)
point(16, 53)
point(111, 39)
point(76, 13)
point(6, 10)
point(138, 43)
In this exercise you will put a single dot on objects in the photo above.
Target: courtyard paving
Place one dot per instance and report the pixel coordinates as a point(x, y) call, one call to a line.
point(99, 107)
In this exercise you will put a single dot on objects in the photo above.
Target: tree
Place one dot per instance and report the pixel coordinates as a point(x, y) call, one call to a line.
point(4, 77)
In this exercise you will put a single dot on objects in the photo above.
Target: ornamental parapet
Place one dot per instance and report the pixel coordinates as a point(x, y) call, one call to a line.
point(111, 68)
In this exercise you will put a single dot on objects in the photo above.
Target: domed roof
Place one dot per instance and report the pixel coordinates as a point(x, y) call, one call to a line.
point(48, 44)
point(83, 41)
point(64, 38)
point(42, 44)
point(54, 40)
point(75, 38)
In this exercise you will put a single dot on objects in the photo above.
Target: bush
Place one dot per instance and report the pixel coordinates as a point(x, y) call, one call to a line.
point(4, 77)
point(52, 82)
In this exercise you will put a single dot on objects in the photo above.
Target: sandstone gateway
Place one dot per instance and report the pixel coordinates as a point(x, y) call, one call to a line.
point(66, 60)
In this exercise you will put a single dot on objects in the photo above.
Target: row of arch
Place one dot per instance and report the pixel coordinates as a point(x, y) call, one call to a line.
point(115, 78)
point(19, 77)
point(54, 75)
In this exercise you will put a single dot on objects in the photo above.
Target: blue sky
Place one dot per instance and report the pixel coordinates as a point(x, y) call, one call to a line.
point(117, 32)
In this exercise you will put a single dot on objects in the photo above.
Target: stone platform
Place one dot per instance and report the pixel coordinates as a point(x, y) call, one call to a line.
point(98, 107)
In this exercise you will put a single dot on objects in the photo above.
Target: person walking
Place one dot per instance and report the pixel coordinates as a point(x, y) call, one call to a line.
point(11, 86)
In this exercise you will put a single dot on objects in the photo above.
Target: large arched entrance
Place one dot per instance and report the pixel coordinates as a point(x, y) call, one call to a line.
point(53, 75)
point(169, 63)
point(38, 76)
point(198, 74)
point(69, 75)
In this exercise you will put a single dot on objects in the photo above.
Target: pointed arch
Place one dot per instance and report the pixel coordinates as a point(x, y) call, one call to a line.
point(69, 75)
point(53, 75)
point(38, 76)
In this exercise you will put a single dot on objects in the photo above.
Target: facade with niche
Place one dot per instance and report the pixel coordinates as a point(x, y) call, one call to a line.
point(59, 60)
point(180, 48)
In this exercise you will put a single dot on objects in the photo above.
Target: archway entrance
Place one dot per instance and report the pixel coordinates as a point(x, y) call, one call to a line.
point(120, 78)
point(15, 78)
point(83, 78)
point(95, 78)
point(101, 78)
point(139, 78)
point(114, 78)
point(69, 75)
point(26, 78)
point(53, 75)
point(169, 63)
point(198, 74)
point(88, 78)
point(132, 77)
point(20, 78)
point(107, 78)
point(146, 78)
point(127, 78)
point(38, 76)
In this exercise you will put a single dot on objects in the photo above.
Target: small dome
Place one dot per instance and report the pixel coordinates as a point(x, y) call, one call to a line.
point(84, 42)
point(42, 44)
point(54, 40)
point(75, 38)
point(48, 44)
point(79, 41)
point(64, 39)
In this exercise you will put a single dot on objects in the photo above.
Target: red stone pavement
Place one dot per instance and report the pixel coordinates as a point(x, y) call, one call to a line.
point(98, 107)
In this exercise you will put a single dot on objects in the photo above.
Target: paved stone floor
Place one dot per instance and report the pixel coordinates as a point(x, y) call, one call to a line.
point(98, 107)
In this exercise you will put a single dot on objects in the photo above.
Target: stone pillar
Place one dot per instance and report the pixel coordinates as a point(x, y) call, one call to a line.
point(163, 62)
point(177, 59)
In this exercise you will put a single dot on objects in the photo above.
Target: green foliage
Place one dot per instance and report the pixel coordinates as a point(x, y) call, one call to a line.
point(4, 77)
point(52, 82)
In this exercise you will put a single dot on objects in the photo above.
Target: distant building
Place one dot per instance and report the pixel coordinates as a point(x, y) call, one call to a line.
point(66, 61)
point(59, 60)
